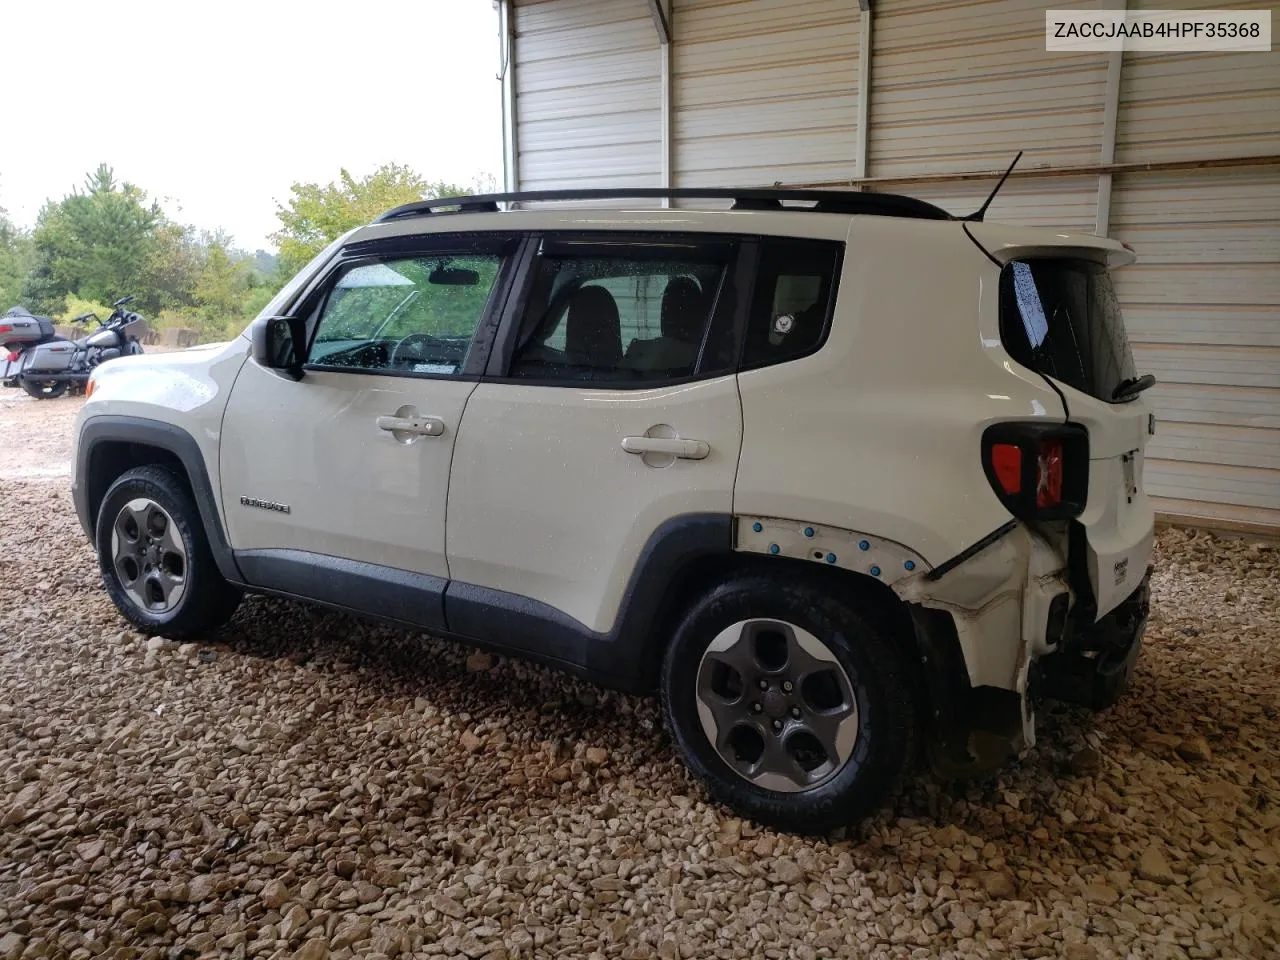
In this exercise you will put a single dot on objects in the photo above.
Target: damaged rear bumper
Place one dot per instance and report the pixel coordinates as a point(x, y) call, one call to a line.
point(1001, 630)
point(1094, 663)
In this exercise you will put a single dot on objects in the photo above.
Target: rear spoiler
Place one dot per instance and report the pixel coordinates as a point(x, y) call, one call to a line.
point(1004, 243)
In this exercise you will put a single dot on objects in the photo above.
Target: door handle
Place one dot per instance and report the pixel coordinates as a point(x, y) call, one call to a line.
point(412, 426)
point(684, 449)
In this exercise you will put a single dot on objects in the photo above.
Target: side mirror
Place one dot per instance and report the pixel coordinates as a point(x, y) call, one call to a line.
point(279, 343)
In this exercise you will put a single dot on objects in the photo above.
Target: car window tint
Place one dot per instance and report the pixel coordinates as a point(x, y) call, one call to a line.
point(617, 318)
point(414, 314)
point(794, 295)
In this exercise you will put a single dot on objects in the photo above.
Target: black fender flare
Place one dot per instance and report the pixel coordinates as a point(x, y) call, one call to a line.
point(86, 490)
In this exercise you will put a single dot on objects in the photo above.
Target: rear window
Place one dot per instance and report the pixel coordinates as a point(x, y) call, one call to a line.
point(1061, 318)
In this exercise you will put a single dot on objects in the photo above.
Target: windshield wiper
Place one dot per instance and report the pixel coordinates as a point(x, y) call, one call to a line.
point(1130, 388)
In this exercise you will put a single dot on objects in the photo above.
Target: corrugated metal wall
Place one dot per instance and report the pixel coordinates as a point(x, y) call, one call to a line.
point(588, 89)
point(767, 91)
point(1203, 302)
point(764, 91)
point(963, 86)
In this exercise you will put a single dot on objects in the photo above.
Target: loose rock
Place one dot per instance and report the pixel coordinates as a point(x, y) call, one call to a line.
point(1194, 750)
point(1154, 867)
point(407, 807)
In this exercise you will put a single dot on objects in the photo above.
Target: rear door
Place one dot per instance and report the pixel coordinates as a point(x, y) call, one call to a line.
point(1060, 316)
point(610, 407)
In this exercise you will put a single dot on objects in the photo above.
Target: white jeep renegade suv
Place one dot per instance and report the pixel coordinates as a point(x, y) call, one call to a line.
point(836, 473)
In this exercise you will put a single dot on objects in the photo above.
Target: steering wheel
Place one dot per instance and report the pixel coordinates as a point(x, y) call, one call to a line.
point(412, 348)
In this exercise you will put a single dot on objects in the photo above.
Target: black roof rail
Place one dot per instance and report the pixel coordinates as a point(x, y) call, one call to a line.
point(753, 198)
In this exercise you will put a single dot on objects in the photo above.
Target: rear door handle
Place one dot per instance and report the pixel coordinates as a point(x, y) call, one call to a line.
point(684, 449)
point(411, 426)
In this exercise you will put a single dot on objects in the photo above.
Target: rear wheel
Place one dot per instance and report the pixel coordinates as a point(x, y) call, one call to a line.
point(45, 389)
point(155, 558)
point(792, 707)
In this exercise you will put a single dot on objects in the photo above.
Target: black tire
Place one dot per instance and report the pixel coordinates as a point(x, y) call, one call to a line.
point(874, 666)
point(44, 389)
point(207, 601)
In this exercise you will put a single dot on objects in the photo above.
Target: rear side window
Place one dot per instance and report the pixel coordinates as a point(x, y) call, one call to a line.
point(634, 314)
point(794, 297)
point(1061, 318)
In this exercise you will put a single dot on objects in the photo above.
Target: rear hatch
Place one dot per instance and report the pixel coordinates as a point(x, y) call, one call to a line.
point(1059, 316)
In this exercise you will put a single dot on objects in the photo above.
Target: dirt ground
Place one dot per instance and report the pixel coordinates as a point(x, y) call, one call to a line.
point(35, 435)
point(307, 785)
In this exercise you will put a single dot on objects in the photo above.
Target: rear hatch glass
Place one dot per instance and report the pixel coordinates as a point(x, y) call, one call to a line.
point(1061, 318)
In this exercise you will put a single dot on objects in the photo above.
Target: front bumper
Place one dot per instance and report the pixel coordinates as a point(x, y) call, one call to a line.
point(1094, 663)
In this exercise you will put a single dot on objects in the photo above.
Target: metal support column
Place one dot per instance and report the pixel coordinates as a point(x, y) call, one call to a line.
point(864, 90)
point(507, 74)
point(1110, 114)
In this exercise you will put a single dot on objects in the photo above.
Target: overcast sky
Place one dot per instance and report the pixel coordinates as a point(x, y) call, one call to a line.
point(216, 108)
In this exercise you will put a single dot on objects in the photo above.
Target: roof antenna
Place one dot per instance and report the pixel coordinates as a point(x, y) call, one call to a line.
point(982, 210)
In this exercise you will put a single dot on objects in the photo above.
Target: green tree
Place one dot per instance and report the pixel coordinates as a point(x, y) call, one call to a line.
point(222, 285)
point(174, 266)
point(16, 256)
point(97, 243)
point(316, 215)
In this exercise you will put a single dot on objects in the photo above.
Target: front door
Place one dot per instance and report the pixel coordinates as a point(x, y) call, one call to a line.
point(335, 485)
point(613, 408)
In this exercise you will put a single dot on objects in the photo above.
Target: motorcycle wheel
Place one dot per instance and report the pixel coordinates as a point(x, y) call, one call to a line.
point(45, 389)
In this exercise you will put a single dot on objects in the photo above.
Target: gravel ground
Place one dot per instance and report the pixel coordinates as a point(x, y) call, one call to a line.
point(35, 436)
point(313, 786)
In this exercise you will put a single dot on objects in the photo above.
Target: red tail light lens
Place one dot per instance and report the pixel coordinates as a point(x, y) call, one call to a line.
point(1049, 474)
point(6, 328)
point(1006, 463)
point(1040, 471)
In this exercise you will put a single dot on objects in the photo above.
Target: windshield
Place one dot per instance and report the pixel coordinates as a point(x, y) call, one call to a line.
point(1061, 318)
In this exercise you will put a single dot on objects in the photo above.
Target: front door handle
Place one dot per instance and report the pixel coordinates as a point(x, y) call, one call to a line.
point(405, 427)
point(684, 449)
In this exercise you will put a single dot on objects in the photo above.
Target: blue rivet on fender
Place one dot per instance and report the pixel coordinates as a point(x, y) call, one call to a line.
point(875, 571)
point(910, 564)
point(757, 526)
point(773, 548)
point(808, 531)
point(863, 545)
point(831, 558)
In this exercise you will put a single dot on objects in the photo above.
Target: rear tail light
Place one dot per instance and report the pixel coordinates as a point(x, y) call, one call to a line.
point(6, 328)
point(1049, 474)
point(1039, 471)
point(1006, 463)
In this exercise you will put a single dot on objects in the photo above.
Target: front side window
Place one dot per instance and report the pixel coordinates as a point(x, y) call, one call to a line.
point(625, 317)
point(794, 296)
point(412, 314)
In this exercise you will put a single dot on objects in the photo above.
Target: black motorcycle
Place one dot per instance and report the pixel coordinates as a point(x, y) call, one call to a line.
point(46, 364)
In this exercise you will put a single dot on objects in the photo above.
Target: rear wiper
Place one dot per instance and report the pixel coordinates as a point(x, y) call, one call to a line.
point(1130, 388)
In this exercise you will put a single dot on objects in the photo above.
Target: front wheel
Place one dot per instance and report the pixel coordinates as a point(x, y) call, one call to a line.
point(155, 558)
point(793, 708)
point(44, 389)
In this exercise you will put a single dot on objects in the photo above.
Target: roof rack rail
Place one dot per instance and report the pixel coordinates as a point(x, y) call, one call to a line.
point(753, 198)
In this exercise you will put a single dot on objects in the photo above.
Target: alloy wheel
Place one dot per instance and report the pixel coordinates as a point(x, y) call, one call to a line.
point(777, 705)
point(148, 555)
